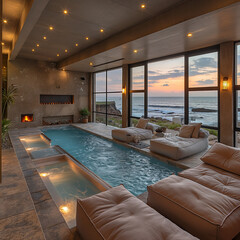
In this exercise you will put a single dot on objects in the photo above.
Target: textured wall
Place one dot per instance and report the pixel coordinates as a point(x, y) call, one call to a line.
point(34, 78)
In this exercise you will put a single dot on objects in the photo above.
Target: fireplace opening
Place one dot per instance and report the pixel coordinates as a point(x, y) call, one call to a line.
point(26, 117)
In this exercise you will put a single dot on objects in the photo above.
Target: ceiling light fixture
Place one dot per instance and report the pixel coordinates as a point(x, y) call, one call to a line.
point(189, 35)
point(90, 63)
point(101, 30)
point(143, 6)
point(66, 50)
point(135, 50)
point(58, 55)
point(87, 38)
point(3, 43)
point(76, 44)
point(44, 37)
point(65, 11)
point(51, 28)
point(5, 21)
point(33, 50)
point(37, 45)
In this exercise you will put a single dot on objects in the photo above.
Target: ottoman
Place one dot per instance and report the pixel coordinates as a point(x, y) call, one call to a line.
point(118, 215)
point(203, 212)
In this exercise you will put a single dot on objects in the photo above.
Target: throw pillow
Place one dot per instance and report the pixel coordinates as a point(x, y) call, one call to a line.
point(142, 123)
point(186, 131)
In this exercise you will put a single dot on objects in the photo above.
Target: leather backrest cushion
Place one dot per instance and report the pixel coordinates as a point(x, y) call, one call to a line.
point(224, 157)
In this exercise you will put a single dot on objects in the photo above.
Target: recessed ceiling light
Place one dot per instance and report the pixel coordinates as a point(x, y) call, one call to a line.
point(143, 6)
point(189, 35)
point(51, 28)
point(58, 55)
point(5, 21)
point(44, 37)
point(101, 30)
point(37, 45)
point(76, 44)
point(66, 50)
point(33, 50)
point(65, 11)
point(90, 63)
point(135, 50)
point(87, 38)
point(63, 69)
point(3, 43)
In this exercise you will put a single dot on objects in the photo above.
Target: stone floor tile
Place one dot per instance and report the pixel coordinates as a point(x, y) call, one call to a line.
point(40, 196)
point(35, 183)
point(12, 187)
point(24, 226)
point(58, 232)
point(48, 214)
point(14, 204)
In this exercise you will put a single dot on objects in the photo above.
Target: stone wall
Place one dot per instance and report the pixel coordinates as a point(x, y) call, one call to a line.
point(33, 78)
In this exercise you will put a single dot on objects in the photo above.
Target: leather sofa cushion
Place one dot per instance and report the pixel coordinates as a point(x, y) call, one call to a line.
point(215, 178)
point(201, 211)
point(118, 215)
point(224, 157)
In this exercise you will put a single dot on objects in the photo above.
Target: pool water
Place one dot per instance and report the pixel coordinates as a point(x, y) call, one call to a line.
point(34, 143)
point(114, 163)
point(66, 182)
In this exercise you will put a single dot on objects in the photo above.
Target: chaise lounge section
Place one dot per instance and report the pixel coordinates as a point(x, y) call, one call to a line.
point(205, 201)
point(178, 147)
point(118, 215)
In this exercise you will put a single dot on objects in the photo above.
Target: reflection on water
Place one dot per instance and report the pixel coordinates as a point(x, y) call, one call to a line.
point(66, 183)
point(34, 142)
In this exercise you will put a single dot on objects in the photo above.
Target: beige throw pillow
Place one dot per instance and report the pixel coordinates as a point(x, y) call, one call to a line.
point(224, 157)
point(142, 123)
point(186, 131)
point(196, 130)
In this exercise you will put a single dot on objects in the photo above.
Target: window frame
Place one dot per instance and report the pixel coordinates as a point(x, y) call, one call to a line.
point(186, 56)
point(94, 93)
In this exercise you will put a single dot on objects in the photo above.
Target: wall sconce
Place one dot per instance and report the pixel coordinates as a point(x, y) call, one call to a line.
point(225, 83)
point(123, 91)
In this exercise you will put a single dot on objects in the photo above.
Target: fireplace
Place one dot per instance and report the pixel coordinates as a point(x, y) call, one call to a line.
point(56, 99)
point(26, 117)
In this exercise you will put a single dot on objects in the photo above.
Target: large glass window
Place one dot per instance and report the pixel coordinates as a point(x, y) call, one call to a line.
point(203, 92)
point(137, 93)
point(166, 91)
point(108, 97)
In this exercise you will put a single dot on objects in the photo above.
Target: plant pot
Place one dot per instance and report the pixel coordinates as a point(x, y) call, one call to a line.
point(84, 120)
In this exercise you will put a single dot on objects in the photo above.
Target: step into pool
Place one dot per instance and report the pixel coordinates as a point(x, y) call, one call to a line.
point(66, 181)
point(112, 162)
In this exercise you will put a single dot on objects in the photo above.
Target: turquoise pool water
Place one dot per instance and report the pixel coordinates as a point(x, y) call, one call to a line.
point(114, 163)
point(66, 183)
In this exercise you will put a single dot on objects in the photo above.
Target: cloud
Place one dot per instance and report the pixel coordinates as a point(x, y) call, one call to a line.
point(156, 76)
point(205, 82)
point(165, 85)
point(205, 62)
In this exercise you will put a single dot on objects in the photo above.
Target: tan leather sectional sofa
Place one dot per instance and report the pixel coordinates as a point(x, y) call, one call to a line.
point(204, 201)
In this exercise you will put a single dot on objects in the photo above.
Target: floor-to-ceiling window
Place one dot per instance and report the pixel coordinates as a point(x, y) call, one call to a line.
point(203, 91)
point(166, 92)
point(237, 95)
point(107, 93)
point(137, 93)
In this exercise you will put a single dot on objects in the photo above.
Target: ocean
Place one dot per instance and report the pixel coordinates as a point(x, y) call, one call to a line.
point(173, 107)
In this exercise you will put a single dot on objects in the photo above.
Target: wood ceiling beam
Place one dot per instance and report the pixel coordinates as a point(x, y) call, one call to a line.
point(30, 15)
point(182, 12)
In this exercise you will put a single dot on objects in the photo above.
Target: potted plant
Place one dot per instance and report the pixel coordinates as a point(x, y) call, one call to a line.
point(84, 113)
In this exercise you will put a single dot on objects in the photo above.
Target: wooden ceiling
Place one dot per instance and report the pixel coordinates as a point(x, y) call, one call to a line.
point(158, 30)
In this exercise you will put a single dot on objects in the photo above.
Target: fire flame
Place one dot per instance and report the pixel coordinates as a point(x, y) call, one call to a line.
point(27, 119)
